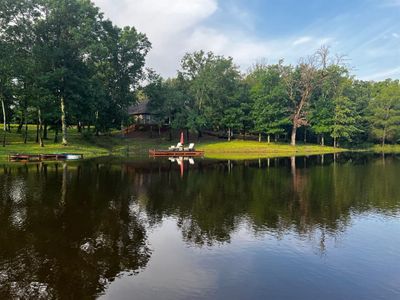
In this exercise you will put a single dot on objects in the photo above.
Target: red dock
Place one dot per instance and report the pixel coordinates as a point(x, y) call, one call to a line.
point(176, 153)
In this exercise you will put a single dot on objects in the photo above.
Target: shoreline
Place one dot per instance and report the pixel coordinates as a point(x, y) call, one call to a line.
point(137, 147)
point(234, 150)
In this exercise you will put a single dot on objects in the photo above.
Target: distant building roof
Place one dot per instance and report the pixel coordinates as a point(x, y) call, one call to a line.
point(140, 108)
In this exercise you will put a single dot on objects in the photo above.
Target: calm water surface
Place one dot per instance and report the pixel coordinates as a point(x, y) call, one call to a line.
point(305, 228)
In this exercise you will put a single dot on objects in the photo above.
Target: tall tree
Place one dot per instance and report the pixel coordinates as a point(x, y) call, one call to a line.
point(270, 102)
point(346, 118)
point(322, 108)
point(16, 31)
point(65, 35)
point(213, 83)
point(385, 111)
point(300, 82)
point(116, 67)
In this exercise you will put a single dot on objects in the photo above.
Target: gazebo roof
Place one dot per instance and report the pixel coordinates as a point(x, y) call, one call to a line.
point(140, 108)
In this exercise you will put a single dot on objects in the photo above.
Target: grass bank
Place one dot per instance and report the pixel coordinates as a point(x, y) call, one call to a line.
point(253, 149)
point(87, 144)
point(386, 149)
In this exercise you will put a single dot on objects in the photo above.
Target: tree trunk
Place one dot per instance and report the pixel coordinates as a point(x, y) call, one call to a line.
point(293, 135)
point(63, 122)
point(3, 106)
point(37, 132)
point(305, 135)
point(384, 136)
point(79, 126)
point(229, 134)
point(26, 131)
point(40, 128)
point(56, 135)
point(45, 131)
point(297, 115)
point(268, 138)
point(187, 136)
point(334, 143)
point(322, 140)
point(259, 137)
point(20, 125)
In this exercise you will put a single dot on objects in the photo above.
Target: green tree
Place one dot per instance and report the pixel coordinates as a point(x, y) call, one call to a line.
point(301, 83)
point(322, 108)
point(213, 85)
point(270, 105)
point(384, 110)
point(116, 67)
point(346, 118)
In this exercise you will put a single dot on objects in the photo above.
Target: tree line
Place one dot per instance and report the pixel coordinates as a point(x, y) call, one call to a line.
point(317, 97)
point(63, 63)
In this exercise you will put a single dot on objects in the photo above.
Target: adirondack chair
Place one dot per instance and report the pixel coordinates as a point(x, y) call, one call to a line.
point(177, 147)
point(190, 148)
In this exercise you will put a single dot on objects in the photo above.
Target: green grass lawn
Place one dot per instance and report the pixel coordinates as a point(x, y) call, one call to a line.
point(88, 145)
point(386, 149)
point(115, 144)
point(252, 149)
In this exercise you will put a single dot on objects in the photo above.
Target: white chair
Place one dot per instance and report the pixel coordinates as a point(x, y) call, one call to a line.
point(177, 147)
point(190, 148)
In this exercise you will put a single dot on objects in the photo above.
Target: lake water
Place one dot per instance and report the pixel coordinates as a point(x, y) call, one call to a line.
point(294, 228)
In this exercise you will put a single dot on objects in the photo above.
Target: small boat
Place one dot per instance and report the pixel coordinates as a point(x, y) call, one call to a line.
point(44, 157)
point(176, 153)
point(74, 156)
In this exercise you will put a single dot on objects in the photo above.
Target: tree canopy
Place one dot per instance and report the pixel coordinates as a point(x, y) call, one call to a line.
point(63, 64)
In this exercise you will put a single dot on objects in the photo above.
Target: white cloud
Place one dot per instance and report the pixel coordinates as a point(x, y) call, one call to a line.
point(246, 49)
point(302, 40)
point(178, 26)
point(384, 74)
point(167, 24)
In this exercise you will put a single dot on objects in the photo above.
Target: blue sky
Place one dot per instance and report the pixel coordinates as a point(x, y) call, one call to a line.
point(367, 32)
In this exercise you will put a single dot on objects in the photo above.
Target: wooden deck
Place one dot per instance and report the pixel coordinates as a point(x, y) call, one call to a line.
point(175, 153)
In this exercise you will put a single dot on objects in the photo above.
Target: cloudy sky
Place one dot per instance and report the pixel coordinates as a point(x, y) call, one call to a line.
point(366, 31)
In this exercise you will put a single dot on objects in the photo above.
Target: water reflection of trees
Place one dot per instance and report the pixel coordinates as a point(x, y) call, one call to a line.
point(211, 204)
point(66, 233)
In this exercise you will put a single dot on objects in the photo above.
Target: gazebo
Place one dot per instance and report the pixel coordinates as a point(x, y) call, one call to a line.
point(140, 112)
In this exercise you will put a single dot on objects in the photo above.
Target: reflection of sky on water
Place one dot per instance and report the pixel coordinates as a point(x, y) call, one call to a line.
point(284, 267)
point(174, 271)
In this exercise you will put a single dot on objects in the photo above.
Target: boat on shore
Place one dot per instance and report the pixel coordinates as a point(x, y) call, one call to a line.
point(44, 157)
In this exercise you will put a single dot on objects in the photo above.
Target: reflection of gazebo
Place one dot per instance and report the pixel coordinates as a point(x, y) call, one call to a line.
point(140, 112)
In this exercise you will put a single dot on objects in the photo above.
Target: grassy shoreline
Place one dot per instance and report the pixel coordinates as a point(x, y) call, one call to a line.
point(239, 149)
point(91, 146)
